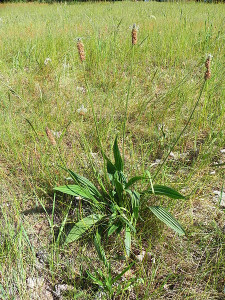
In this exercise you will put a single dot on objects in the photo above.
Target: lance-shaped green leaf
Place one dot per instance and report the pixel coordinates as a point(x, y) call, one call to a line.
point(95, 279)
point(85, 183)
point(163, 215)
point(135, 202)
point(121, 274)
point(111, 169)
point(112, 229)
point(128, 240)
point(118, 186)
point(117, 156)
point(162, 190)
point(99, 249)
point(133, 180)
point(75, 190)
point(81, 227)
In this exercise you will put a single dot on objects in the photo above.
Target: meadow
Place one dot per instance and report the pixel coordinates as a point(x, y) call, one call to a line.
point(57, 112)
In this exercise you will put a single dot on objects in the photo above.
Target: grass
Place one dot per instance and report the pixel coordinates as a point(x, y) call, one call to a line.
point(167, 75)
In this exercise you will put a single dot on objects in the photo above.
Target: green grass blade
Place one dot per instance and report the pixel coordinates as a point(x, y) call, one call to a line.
point(121, 274)
point(163, 215)
point(95, 279)
point(81, 227)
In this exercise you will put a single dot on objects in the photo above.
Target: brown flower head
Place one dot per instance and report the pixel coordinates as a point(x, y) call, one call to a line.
point(80, 47)
point(50, 136)
point(207, 65)
point(134, 34)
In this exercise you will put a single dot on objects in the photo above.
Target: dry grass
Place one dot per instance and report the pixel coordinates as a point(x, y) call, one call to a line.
point(36, 93)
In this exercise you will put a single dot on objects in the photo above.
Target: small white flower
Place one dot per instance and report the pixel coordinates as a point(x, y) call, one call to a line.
point(157, 161)
point(80, 89)
point(56, 133)
point(134, 26)
point(47, 60)
point(82, 110)
point(210, 56)
point(152, 17)
point(141, 256)
point(66, 66)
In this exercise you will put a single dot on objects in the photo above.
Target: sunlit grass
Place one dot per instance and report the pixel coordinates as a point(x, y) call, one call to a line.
point(42, 84)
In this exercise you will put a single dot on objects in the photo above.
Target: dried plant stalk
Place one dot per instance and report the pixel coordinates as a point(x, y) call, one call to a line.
point(80, 47)
point(50, 136)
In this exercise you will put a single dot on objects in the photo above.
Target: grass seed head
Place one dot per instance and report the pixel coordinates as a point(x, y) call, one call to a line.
point(80, 47)
point(50, 136)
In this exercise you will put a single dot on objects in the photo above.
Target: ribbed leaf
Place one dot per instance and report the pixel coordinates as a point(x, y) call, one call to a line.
point(133, 180)
point(122, 178)
point(85, 183)
point(75, 190)
point(127, 240)
point(111, 169)
point(81, 227)
point(118, 185)
point(117, 156)
point(135, 202)
point(162, 190)
point(99, 249)
point(162, 214)
point(112, 229)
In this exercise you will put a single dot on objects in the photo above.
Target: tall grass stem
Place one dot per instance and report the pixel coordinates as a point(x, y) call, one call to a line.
point(127, 100)
point(181, 133)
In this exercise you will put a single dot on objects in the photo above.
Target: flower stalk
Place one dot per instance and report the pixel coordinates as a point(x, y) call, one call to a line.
point(134, 42)
point(206, 77)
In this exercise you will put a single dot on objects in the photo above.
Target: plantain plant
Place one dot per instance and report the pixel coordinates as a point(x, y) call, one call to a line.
point(116, 206)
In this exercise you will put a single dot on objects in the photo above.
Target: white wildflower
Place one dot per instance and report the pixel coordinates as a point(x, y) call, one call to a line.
point(57, 133)
point(82, 110)
point(80, 89)
point(47, 60)
point(152, 17)
point(66, 66)
point(210, 56)
point(141, 256)
point(134, 26)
